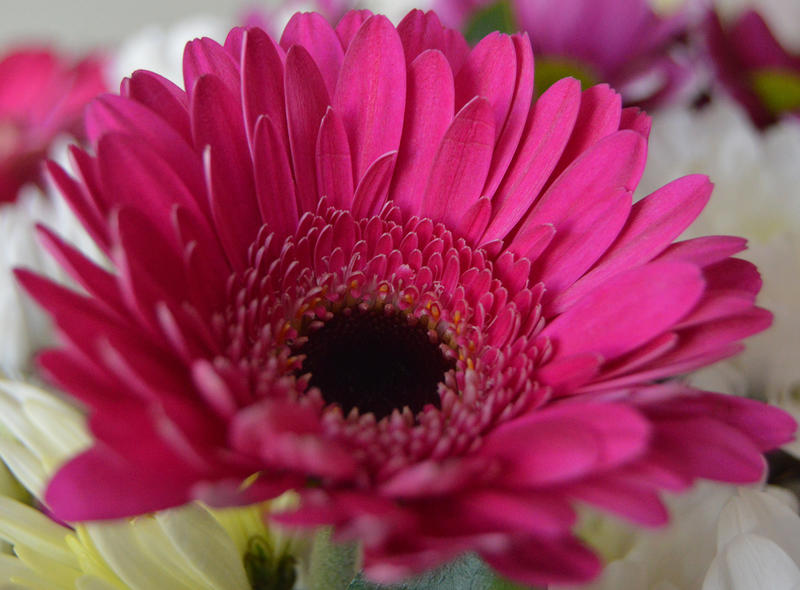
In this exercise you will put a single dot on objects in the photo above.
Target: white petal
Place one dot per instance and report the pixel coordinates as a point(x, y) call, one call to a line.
point(119, 547)
point(751, 562)
point(757, 512)
point(23, 525)
point(205, 545)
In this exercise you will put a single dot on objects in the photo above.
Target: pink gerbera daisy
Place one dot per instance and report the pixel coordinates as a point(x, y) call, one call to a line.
point(359, 264)
point(42, 95)
point(622, 42)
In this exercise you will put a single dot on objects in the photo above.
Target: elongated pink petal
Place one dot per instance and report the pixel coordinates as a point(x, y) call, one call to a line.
point(598, 117)
point(602, 321)
point(615, 162)
point(462, 162)
point(205, 56)
point(273, 178)
point(547, 131)
point(218, 126)
point(653, 223)
point(489, 72)
point(420, 31)
point(373, 189)
point(514, 124)
point(551, 561)
point(334, 165)
point(306, 103)
point(429, 112)
point(371, 91)
point(313, 32)
point(164, 98)
point(262, 82)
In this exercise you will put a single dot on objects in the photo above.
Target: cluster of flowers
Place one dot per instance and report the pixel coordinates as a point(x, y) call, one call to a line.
point(412, 289)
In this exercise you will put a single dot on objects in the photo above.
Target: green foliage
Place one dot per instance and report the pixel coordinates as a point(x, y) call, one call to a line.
point(466, 573)
point(495, 17)
point(778, 89)
point(266, 569)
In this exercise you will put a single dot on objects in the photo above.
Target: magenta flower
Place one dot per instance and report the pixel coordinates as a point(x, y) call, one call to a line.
point(754, 67)
point(359, 264)
point(42, 95)
point(621, 42)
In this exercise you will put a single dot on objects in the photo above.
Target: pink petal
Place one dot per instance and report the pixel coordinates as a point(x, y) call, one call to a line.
point(615, 162)
point(206, 56)
point(627, 310)
point(653, 223)
point(566, 442)
point(420, 31)
point(461, 165)
point(313, 32)
point(489, 72)
point(429, 112)
point(539, 562)
point(262, 82)
point(273, 178)
point(334, 165)
point(546, 133)
point(350, 24)
point(371, 92)
point(218, 126)
point(373, 189)
point(100, 484)
point(164, 98)
point(581, 240)
point(598, 117)
point(509, 137)
point(306, 103)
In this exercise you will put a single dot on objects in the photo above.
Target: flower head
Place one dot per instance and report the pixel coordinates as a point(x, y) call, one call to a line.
point(754, 67)
point(42, 95)
point(624, 43)
point(359, 264)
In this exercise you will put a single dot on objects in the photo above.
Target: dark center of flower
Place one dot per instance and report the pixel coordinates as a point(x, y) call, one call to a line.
point(375, 362)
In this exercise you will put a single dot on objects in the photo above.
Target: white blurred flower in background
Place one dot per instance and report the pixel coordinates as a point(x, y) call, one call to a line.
point(720, 538)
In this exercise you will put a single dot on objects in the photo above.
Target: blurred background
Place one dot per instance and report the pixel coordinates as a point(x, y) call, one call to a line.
point(82, 24)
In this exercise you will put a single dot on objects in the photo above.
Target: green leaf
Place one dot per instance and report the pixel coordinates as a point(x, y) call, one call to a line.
point(550, 70)
point(495, 17)
point(778, 89)
point(465, 573)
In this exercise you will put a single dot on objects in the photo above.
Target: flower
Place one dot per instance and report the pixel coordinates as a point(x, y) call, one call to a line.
point(187, 547)
point(624, 43)
point(756, 178)
point(42, 95)
point(752, 65)
point(360, 265)
point(722, 537)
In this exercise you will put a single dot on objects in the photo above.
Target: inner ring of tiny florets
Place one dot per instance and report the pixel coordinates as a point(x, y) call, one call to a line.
point(375, 360)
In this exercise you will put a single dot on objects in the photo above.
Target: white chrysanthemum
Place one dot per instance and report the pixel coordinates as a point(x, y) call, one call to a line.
point(160, 49)
point(716, 533)
point(187, 548)
point(24, 327)
point(756, 195)
point(782, 17)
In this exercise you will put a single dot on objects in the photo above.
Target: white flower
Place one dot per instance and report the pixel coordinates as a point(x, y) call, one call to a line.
point(757, 196)
point(716, 535)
